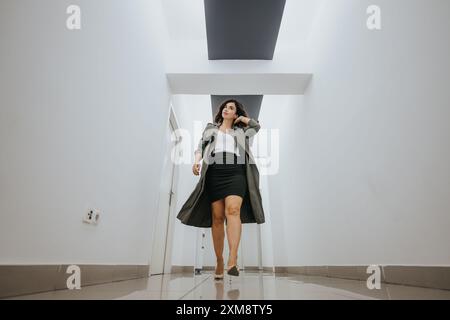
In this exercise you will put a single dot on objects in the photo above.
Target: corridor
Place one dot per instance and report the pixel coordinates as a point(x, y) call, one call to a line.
point(110, 111)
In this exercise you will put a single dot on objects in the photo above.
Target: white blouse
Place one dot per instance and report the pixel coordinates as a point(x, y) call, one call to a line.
point(225, 143)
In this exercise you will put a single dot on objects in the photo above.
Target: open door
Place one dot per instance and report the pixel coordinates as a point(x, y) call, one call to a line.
point(163, 230)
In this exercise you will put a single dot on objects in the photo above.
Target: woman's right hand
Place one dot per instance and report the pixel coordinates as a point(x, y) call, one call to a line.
point(196, 168)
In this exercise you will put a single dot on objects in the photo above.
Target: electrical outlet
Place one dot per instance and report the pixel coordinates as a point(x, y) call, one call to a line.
point(92, 216)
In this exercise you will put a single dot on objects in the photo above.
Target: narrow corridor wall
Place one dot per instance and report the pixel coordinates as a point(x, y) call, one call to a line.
point(373, 178)
point(83, 115)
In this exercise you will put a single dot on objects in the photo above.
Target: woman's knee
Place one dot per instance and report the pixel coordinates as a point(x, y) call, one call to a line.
point(218, 215)
point(218, 212)
point(218, 218)
point(232, 210)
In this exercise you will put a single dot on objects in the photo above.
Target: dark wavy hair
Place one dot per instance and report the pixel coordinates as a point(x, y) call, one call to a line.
point(240, 111)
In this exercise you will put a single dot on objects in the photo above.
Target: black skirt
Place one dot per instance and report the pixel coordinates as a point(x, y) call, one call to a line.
point(225, 176)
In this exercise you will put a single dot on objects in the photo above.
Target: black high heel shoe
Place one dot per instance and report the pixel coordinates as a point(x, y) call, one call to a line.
point(233, 271)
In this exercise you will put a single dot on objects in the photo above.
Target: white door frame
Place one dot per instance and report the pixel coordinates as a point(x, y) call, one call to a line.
point(171, 216)
point(160, 263)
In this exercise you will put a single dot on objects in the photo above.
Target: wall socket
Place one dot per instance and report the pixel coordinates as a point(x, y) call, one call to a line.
point(91, 216)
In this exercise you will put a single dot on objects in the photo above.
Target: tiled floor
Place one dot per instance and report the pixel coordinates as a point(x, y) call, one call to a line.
point(249, 285)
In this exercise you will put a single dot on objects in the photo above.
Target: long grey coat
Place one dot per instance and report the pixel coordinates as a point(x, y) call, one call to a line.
point(196, 211)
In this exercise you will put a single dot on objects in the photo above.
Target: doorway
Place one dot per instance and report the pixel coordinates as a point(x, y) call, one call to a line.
point(160, 262)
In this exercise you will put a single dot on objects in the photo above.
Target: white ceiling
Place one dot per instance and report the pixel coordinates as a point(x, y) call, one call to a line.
point(185, 20)
point(242, 84)
point(190, 71)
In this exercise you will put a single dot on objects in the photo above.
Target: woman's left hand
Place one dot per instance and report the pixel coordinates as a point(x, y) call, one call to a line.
point(242, 119)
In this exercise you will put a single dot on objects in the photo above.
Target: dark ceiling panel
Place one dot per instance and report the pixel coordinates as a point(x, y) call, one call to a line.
point(251, 103)
point(242, 29)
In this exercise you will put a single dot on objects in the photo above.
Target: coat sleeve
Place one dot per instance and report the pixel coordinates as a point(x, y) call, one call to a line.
point(202, 141)
point(252, 128)
point(198, 149)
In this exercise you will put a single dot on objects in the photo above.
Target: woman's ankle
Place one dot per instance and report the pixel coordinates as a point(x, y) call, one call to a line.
point(232, 261)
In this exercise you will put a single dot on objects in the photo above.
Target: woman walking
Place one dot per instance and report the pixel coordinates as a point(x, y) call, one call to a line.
point(228, 189)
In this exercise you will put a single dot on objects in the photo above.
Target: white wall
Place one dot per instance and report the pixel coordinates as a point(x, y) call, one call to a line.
point(369, 179)
point(280, 113)
point(83, 114)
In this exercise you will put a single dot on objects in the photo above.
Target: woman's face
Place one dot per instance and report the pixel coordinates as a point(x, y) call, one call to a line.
point(229, 111)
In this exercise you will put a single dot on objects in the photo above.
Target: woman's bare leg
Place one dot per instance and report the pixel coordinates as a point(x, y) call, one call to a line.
point(218, 233)
point(234, 227)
